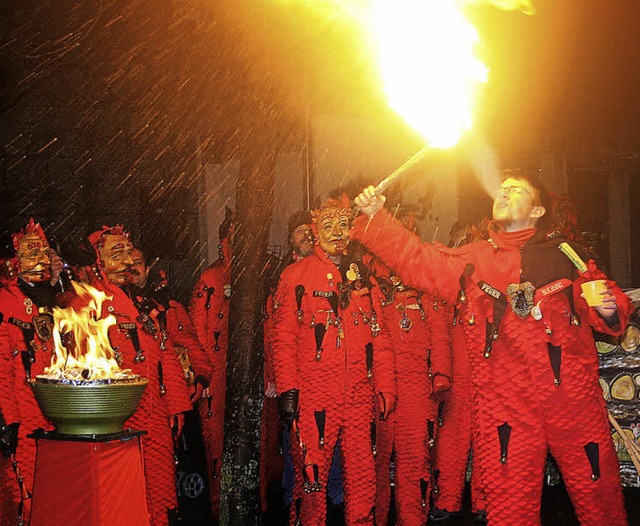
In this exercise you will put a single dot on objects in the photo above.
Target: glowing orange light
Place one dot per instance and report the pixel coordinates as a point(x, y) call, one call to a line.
point(82, 348)
point(430, 73)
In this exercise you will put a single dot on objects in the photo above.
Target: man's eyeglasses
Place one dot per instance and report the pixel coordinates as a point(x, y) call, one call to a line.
point(505, 191)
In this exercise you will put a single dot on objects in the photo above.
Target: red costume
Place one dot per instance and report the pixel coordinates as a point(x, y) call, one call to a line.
point(26, 347)
point(209, 311)
point(142, 345)
point(24, 353)
point(455, 432)
point(537, 389)
point(324, 346)
point(418, 328)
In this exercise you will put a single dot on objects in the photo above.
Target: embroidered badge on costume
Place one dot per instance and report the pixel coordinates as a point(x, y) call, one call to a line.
point(43, 325)
point(521, 298)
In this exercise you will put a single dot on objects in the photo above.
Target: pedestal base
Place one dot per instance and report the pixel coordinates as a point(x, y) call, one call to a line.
point(93, 480)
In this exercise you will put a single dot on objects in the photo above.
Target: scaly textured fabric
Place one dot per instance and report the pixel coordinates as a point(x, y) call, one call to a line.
point(523, 407)
point(320, 348)
point(17, 402)
point(183, 334)
point(418, 329)
point(453, 443)
point(209, 312)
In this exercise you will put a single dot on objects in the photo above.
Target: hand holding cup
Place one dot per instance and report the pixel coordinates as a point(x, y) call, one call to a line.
point(598, 295)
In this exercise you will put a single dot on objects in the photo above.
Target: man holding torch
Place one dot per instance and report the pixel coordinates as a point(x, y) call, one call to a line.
point(529, 331)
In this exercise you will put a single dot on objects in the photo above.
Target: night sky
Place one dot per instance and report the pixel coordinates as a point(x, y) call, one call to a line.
point(109, 107)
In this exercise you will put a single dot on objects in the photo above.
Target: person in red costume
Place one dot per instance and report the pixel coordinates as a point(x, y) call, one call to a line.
point(456, 422)
point(209, 312)
point(174, 318)
point(331, 362)
point(418, 327)
point(141, 344)
point(524, 317)
point(26, 324)
point(300, 243)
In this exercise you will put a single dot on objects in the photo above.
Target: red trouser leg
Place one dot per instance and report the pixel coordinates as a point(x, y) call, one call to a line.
point(358, 467)
point(159, 470)
point(596, 502)
point(26, 462)
point(314, 505)
point(9, 494)
point(452, 448)
point(478, 499)
point(213, 439)
point(415, 423)
point(513, 489)
point(385, 432)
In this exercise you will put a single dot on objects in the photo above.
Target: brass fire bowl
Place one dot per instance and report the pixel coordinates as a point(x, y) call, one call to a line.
point(88, 407)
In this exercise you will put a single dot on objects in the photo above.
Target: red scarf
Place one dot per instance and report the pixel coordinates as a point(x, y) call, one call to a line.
point(510, 240)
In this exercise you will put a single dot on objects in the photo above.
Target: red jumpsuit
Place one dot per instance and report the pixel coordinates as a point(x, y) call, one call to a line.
point(24, 353)
point(323, 345)
point(209, 311)
point(418, 328)
point(539, 388)
point(454, 439)
point(166, 394)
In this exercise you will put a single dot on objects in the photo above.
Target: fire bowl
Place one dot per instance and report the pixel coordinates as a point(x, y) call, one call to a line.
point(93, 407)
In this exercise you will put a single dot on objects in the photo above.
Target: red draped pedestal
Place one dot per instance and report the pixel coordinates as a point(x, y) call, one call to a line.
point(89, 481)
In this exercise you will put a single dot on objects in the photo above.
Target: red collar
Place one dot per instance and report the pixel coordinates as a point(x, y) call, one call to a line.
point(510, 240)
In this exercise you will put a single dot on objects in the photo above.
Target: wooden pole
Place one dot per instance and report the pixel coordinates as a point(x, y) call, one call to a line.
point(240, 502)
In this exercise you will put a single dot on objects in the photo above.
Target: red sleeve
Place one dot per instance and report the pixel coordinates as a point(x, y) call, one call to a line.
point(284, 336)
point(183, 334)
point(384, 367)
point(177, 397)
point(420, 266)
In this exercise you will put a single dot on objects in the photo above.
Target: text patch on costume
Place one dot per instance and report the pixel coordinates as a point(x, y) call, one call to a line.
point(490, 291)
point(554, 287)
point(323, 293)
point(24, 325)
point(127, 326)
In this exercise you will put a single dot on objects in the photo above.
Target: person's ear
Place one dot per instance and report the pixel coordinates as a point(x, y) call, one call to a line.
point(538, 211)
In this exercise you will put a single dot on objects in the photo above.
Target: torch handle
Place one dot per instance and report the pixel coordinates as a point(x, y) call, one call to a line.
point(568, 251)
point(390, 179)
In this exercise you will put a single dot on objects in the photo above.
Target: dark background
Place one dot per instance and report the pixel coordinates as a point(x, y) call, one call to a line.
point(110, 108)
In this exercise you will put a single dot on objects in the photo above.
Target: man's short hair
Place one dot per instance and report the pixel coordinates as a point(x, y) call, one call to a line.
point(302, 217)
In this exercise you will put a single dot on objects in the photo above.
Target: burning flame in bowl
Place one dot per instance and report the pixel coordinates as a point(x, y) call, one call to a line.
point(85, 392)
point(83, 351)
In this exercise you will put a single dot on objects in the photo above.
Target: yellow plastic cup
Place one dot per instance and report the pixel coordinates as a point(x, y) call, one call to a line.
point(592, 291)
